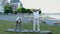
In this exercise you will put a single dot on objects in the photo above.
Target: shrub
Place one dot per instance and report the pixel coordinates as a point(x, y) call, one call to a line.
point(15, 12)
point(21, 10)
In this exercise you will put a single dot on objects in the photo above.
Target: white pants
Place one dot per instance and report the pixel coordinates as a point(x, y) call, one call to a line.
point(36, 25)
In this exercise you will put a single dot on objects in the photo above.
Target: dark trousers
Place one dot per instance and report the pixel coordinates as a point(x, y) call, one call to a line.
point(18, 25)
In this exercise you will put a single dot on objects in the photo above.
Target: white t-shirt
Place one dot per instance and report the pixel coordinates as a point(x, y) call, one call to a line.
point(36, 14)
point(18, 18)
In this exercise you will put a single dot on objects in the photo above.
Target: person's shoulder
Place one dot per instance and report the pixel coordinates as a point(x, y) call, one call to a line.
point(18, 17)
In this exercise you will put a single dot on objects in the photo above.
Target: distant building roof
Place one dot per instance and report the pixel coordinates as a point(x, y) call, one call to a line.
point(14, 1)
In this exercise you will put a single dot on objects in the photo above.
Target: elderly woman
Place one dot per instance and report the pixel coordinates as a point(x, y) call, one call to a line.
point(18, 23)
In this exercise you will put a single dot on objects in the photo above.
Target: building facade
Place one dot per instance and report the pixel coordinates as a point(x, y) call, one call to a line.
point(1, 7)
point(5, 2)
point(16, 4)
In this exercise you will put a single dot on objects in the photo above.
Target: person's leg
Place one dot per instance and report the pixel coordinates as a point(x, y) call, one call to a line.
point(16, 25)
point(34, 25)
point(20, 27)
point(38, 26)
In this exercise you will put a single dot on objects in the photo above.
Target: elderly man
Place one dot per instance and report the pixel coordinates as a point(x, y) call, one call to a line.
point(18, 23)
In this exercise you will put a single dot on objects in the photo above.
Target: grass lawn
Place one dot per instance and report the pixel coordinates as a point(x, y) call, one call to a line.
point(9, 24)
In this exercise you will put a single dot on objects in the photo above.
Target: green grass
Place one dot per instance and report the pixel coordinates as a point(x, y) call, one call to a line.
point(9, 24)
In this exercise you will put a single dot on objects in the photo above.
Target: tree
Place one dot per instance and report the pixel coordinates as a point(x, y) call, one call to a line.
point(15, 12)
point(21, 10)
point(28, 11)
point(8, 9)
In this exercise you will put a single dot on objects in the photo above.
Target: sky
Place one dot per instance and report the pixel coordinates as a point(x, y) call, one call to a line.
point(46, 6)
